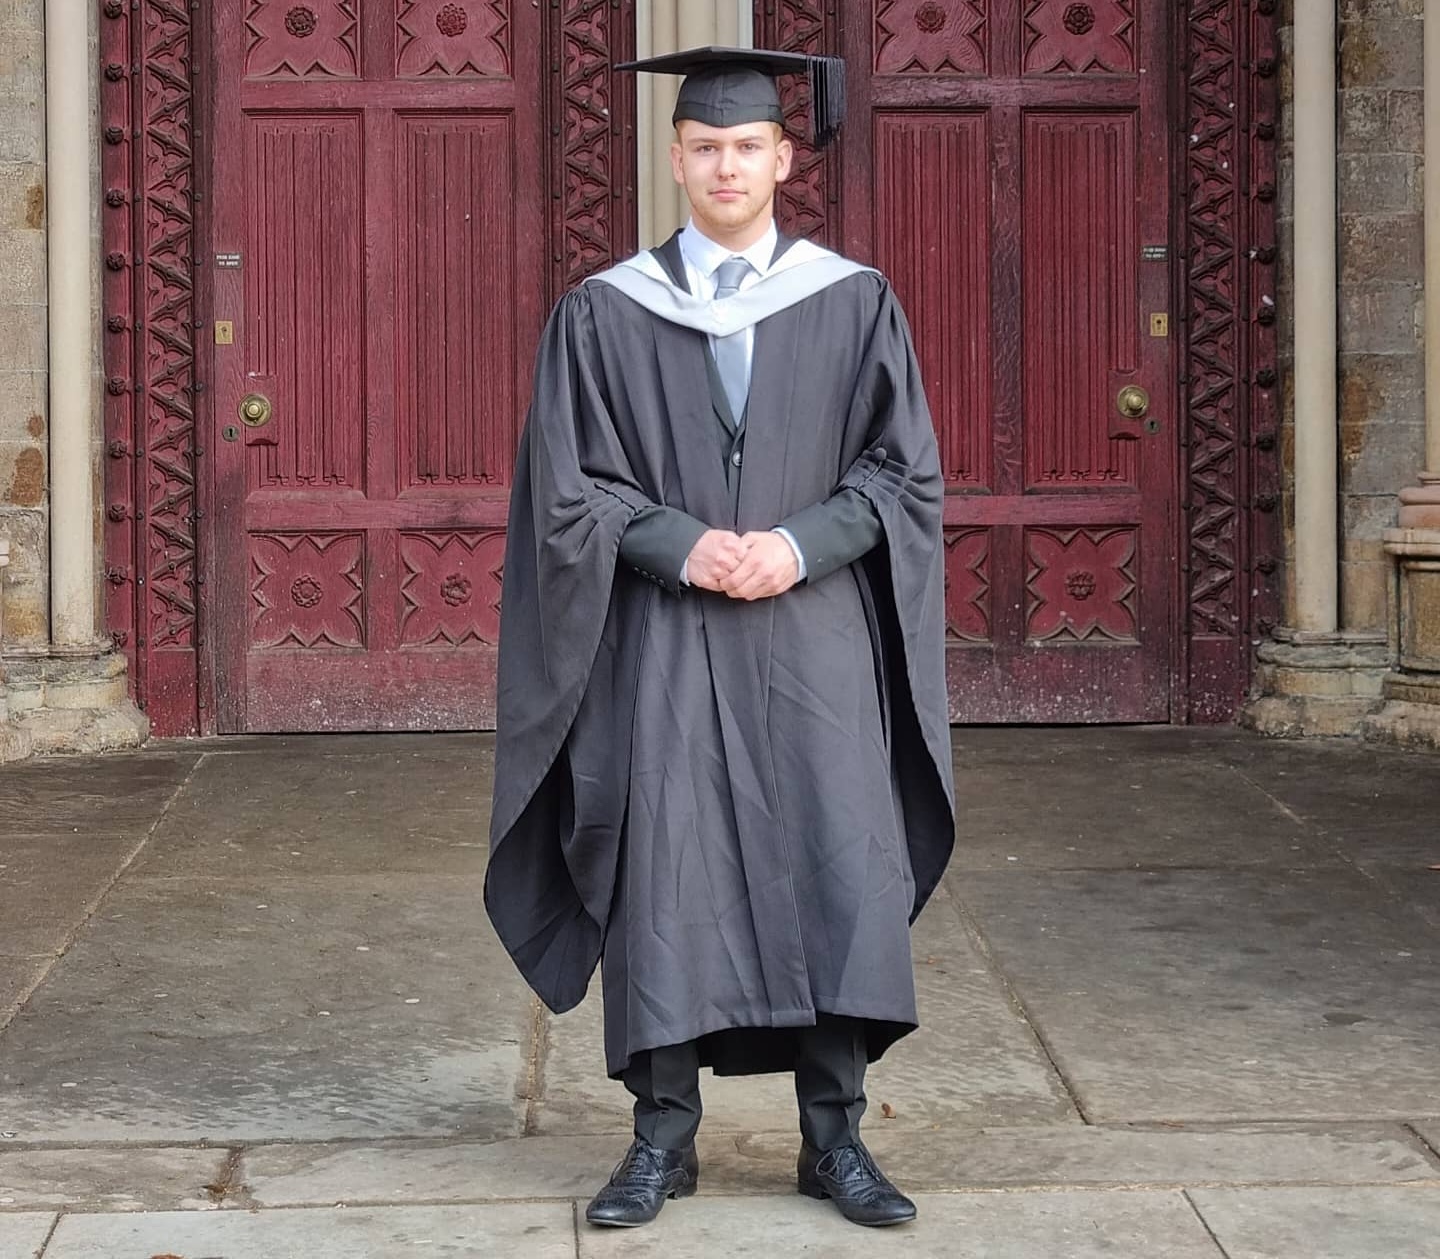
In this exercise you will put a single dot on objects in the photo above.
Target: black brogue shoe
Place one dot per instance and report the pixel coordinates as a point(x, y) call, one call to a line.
point(849, 1177)
point(641, 1182)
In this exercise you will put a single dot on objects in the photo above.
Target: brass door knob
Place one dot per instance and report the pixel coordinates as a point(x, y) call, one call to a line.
point(255, 410)
point(1133, 402)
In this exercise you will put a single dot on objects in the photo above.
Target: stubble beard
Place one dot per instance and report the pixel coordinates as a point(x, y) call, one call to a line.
point(733, 217)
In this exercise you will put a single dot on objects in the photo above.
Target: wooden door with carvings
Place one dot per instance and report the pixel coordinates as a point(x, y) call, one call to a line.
point(1007, 165)
point(380, 276)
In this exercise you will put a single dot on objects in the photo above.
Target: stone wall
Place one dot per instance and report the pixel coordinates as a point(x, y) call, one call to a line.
point(23, 440)
point(1382, 369)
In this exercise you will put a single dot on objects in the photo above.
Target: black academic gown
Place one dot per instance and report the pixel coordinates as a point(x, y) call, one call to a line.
point(741, 806)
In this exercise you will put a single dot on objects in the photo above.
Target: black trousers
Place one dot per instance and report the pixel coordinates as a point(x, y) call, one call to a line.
point(830, 1062)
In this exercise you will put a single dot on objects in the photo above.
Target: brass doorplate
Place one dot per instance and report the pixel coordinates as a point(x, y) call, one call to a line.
point(224, 332)
point(1160, 324)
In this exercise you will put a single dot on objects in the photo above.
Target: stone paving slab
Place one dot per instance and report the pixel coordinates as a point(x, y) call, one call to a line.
point(1085, 808)
point(230, 1010)
point(38, 910)
point(504, 1231)
point(314, 745)
point(417, 809)
point(1085, 1157)
point(731, 1165)
point(119, 1179)
point(971, 1062)
point(1429, 1131)
point(1344, 1223)
point(1069, 1225)
point(17, 974)
point(122, 793)
point(1223, 995)
point(21, 1236)
point(1352, 792)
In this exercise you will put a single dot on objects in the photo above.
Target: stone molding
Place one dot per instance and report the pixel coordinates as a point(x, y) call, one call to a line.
point(1410, 716)
point(1317, 684)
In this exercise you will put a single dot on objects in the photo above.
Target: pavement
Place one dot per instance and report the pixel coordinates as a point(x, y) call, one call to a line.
point(1180, 994)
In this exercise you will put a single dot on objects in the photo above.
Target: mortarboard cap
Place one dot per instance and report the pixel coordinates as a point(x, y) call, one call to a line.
point(725, 87)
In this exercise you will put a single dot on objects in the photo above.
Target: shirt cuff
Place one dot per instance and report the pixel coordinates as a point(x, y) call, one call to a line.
point(685, 573)
point(794, 546)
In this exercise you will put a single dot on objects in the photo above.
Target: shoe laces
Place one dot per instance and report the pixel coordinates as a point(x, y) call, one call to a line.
point(850, 1163)
point(641, 1163)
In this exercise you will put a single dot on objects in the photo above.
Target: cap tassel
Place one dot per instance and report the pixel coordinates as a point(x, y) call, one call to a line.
point(827, 99)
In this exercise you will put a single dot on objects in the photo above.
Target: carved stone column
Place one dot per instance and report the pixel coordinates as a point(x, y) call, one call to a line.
point(71, 264)
point(1314, 676)
point(71, 695)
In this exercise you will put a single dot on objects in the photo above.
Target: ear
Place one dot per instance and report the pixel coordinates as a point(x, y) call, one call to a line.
point(784, 159)
point(677, 165)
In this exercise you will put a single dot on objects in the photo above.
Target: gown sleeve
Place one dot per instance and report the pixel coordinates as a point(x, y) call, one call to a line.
point(898, 474)
point(573, 496)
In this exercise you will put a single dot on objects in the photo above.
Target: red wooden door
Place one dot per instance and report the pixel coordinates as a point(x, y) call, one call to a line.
point(1007, 164)
point(378, 237)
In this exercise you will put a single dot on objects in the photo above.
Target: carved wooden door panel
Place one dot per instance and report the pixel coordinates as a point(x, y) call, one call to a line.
point(1007, 164)
point(380, 277)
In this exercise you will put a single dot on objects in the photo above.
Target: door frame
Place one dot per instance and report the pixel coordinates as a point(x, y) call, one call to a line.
point(155, 100)
point(155, 72)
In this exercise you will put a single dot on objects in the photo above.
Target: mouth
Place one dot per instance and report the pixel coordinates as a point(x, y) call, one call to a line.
point(728, 194)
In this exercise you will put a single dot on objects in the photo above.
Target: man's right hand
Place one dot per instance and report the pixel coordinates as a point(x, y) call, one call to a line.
point(714, 558)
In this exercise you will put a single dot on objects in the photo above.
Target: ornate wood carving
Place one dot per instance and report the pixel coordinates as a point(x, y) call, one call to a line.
point(307, 590)
point(449, 38)
point(303, 39)
point(930, 37)
point(1080, 585)
point(591, 112)
point(807, 201)
point(1258, 249)
point(1079, 295)
point(151, 510)
point(1229, 374)
point(304, 328)
point(1079, 37)
point(451, 587)
point(967, 584)
point(932, 184)
point(456, 355)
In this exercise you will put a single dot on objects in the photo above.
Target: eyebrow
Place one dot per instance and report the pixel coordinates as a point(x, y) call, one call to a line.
point(712, 138)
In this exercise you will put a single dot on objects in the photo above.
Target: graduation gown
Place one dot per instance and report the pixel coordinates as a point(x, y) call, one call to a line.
point(739, 806)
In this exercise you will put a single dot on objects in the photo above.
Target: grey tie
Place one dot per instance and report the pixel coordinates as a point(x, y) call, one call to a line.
point(730, 355)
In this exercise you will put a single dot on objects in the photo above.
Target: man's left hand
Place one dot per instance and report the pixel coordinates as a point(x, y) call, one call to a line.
point(768, 569)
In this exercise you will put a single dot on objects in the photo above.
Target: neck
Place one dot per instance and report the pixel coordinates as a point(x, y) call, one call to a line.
point(741, 238)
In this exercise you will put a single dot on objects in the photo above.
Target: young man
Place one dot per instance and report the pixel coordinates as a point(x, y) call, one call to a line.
point(723, 763)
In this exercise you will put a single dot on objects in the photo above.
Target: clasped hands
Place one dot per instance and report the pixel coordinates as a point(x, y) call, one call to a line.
point(755, 565)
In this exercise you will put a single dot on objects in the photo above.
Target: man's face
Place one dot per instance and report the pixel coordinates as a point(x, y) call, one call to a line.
point(730, 173)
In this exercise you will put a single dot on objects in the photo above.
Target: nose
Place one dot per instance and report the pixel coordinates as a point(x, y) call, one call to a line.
point(726, 168)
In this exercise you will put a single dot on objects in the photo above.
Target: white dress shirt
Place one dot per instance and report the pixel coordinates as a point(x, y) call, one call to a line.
point(703, 257)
